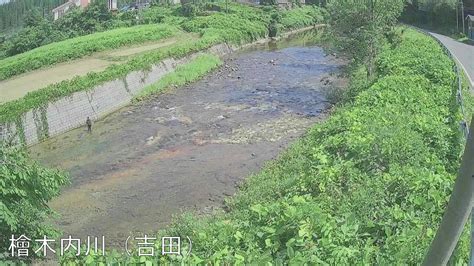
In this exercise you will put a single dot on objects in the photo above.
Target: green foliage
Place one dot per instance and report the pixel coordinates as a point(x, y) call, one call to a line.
point(40, 31)
point(30, 37)
point(81, 46)
point(13, 13)
point(25, 189)
point(360, 27)
point(241, 25)
point(95, 18)
point(360, 188)
point(301, 17)
point(192, 71)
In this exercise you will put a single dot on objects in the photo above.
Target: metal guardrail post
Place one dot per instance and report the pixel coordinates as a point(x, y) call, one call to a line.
point(457, 212)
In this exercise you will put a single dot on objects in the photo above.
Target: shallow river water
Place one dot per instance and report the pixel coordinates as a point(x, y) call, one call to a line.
point(187, 149)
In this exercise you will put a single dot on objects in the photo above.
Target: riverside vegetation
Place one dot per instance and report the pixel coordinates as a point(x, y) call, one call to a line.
point(360, 188)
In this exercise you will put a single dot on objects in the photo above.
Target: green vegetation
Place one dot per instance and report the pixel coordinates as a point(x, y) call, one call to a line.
point(242, 24)
point(361, 29)
point(39, 29)
point(13, 12)
point(360, 188)
point(436, 15)
point(82, 46)
point(192, 71)
point(25, 190)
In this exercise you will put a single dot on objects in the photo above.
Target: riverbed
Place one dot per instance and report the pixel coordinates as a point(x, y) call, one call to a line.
point(189, 148)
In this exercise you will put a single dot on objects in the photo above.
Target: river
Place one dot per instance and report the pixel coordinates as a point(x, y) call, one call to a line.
point(189, 148)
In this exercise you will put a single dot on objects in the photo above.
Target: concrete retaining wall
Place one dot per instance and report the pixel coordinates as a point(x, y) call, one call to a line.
point(71, 112)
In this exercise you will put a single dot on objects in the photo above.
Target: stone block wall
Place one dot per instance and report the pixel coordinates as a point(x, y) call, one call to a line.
point(71, 112)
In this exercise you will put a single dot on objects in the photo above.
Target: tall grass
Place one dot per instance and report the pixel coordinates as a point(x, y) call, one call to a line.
point(189, 72)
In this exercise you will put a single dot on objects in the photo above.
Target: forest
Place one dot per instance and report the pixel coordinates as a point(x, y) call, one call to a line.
point(12, 13)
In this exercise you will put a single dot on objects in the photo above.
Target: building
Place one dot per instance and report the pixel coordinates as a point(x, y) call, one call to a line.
point(64, 8)
point(112, 5)
point(470, 26)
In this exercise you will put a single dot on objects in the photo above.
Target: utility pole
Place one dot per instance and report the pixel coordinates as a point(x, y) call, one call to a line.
point(462, 16)
point(457, 19)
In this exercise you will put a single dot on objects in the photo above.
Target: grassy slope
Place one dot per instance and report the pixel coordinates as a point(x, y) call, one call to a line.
point(195, 69)
point(81, 46)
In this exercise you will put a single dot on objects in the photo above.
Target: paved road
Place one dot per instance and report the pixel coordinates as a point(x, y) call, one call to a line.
point(462, 52)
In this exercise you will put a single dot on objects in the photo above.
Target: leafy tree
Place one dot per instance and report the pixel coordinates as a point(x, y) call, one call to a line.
point(25, 189)
point(31, 37)
point(360, 27)
point(33, 18)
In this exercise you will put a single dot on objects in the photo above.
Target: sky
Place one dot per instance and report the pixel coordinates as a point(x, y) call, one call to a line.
point(3, 1)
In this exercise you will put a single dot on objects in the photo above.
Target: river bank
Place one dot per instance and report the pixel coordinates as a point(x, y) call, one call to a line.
point(189, 148)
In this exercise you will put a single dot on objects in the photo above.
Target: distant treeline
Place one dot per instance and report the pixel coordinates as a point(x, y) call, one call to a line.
point(436, 14)
point(12, 13)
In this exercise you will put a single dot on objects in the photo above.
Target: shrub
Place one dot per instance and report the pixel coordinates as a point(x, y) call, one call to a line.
point(25, 190)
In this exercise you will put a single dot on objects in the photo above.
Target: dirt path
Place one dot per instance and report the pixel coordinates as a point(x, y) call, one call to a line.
point(19, 86)
point(186, 149)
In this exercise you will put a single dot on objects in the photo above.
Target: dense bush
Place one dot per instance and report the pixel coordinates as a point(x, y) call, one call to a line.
point(301, 17)
point(25, 189)
point(39, 31)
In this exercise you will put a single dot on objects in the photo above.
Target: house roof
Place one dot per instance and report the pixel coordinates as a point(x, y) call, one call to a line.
point(470, 17)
